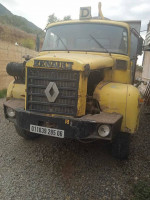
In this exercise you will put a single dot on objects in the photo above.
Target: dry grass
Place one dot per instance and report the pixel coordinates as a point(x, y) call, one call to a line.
point(13, 35)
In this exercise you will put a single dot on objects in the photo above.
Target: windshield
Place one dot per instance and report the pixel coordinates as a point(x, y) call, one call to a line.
point(86, 37)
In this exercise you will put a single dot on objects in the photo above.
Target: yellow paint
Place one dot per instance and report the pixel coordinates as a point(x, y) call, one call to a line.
point(79, 60)
point(10, 90)
point(82, 92)
point(100, 10)
point(67, 121)
point(95, 60)
point(132, 109)
point(114, 94)
point(115, 23)
point(16, 91)
point(119, 98)
point(119, 76)
point(122, 76)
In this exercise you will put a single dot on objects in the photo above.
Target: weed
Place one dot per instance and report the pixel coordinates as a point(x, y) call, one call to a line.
point(141, 190)
point(28, 43)
point(3, 93)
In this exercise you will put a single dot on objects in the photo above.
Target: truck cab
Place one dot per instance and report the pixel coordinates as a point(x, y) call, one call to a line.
point(80, 86)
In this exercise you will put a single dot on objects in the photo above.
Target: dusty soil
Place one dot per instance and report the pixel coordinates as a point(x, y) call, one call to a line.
point(51, 168)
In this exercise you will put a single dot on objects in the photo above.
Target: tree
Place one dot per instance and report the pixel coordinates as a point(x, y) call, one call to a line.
point(66, 18)
point(52, 19)
point(139, 68)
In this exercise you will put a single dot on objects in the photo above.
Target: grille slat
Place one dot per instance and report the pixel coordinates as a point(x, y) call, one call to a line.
point(43, 95)
point(51, 79)
point(44, 111)
point(43, 86)
point(50, 104)
point(67, 83)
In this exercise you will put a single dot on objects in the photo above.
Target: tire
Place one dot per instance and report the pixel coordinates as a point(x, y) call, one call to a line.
point(120, 146)
point(26, 134)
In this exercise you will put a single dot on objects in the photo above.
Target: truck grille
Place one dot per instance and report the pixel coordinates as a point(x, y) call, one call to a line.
point(67, 83)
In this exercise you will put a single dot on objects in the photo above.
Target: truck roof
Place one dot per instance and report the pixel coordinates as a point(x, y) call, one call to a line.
point(117, 23)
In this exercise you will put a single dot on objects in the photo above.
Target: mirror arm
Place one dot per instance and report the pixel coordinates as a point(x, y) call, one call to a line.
point(136, 34)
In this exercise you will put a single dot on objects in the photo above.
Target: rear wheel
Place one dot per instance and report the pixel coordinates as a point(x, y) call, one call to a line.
point(120, 146)
point(26, 134)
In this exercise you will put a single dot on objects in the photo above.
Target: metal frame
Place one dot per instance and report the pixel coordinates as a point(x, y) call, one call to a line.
point(47, 103)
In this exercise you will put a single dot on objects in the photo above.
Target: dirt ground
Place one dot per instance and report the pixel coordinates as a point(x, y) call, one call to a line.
point(61, 169)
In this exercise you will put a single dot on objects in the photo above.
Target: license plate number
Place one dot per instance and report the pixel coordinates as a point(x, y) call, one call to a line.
point(47, 131)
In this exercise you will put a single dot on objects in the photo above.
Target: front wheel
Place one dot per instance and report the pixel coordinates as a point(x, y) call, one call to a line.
point(26, 134)
point(120, 146)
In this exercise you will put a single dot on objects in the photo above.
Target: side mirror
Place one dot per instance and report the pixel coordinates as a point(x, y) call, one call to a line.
point(140, 46)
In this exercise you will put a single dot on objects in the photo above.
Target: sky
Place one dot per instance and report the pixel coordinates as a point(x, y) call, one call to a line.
point(38, 11)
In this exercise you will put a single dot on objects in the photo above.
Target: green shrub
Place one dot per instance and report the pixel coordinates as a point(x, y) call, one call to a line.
point(28, 43)
point(3, 93)
point(139, 68)
point(141, 190)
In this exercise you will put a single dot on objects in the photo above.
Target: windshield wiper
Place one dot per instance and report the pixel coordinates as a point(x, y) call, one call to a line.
point(100, 44)
point(62, 42)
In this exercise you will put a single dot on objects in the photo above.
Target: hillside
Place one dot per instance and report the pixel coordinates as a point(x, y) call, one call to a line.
point(7, 18)
point(16, 29)
point(4, 11)
point(21, 23)
point(14, 35)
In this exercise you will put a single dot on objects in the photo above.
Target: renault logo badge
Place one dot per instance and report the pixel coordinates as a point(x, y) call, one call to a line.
point(51, 92)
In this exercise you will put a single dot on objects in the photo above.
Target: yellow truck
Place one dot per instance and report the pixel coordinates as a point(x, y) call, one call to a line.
point(81, 84)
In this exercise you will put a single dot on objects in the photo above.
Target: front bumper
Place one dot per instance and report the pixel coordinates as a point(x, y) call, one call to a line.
point(76, 128)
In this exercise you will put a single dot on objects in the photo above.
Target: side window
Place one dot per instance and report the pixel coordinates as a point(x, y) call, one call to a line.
point(134, 45)
point(133, 54)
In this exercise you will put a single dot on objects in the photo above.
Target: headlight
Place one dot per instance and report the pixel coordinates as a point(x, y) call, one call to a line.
point(103, 130)
point(10, 112)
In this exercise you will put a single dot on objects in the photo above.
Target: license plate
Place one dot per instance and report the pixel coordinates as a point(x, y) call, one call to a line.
point(47, 131)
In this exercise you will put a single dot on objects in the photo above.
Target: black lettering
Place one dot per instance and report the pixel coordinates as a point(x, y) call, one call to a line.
point(59, 133)
point(43, 130)
point(69, 65)
point(53, 64)
point(58, 64)
point(36, 63)
point(47, 64)
point(42, 63)
point(63, 65)
point(49, 131)
point(32, 128)
point(53, 132)
point(84, 12)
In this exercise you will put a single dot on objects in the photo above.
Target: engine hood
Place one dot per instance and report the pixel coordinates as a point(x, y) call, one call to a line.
point(73, 61)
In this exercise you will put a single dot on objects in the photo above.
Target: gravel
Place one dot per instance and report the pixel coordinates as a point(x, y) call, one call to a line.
point(62, 169)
